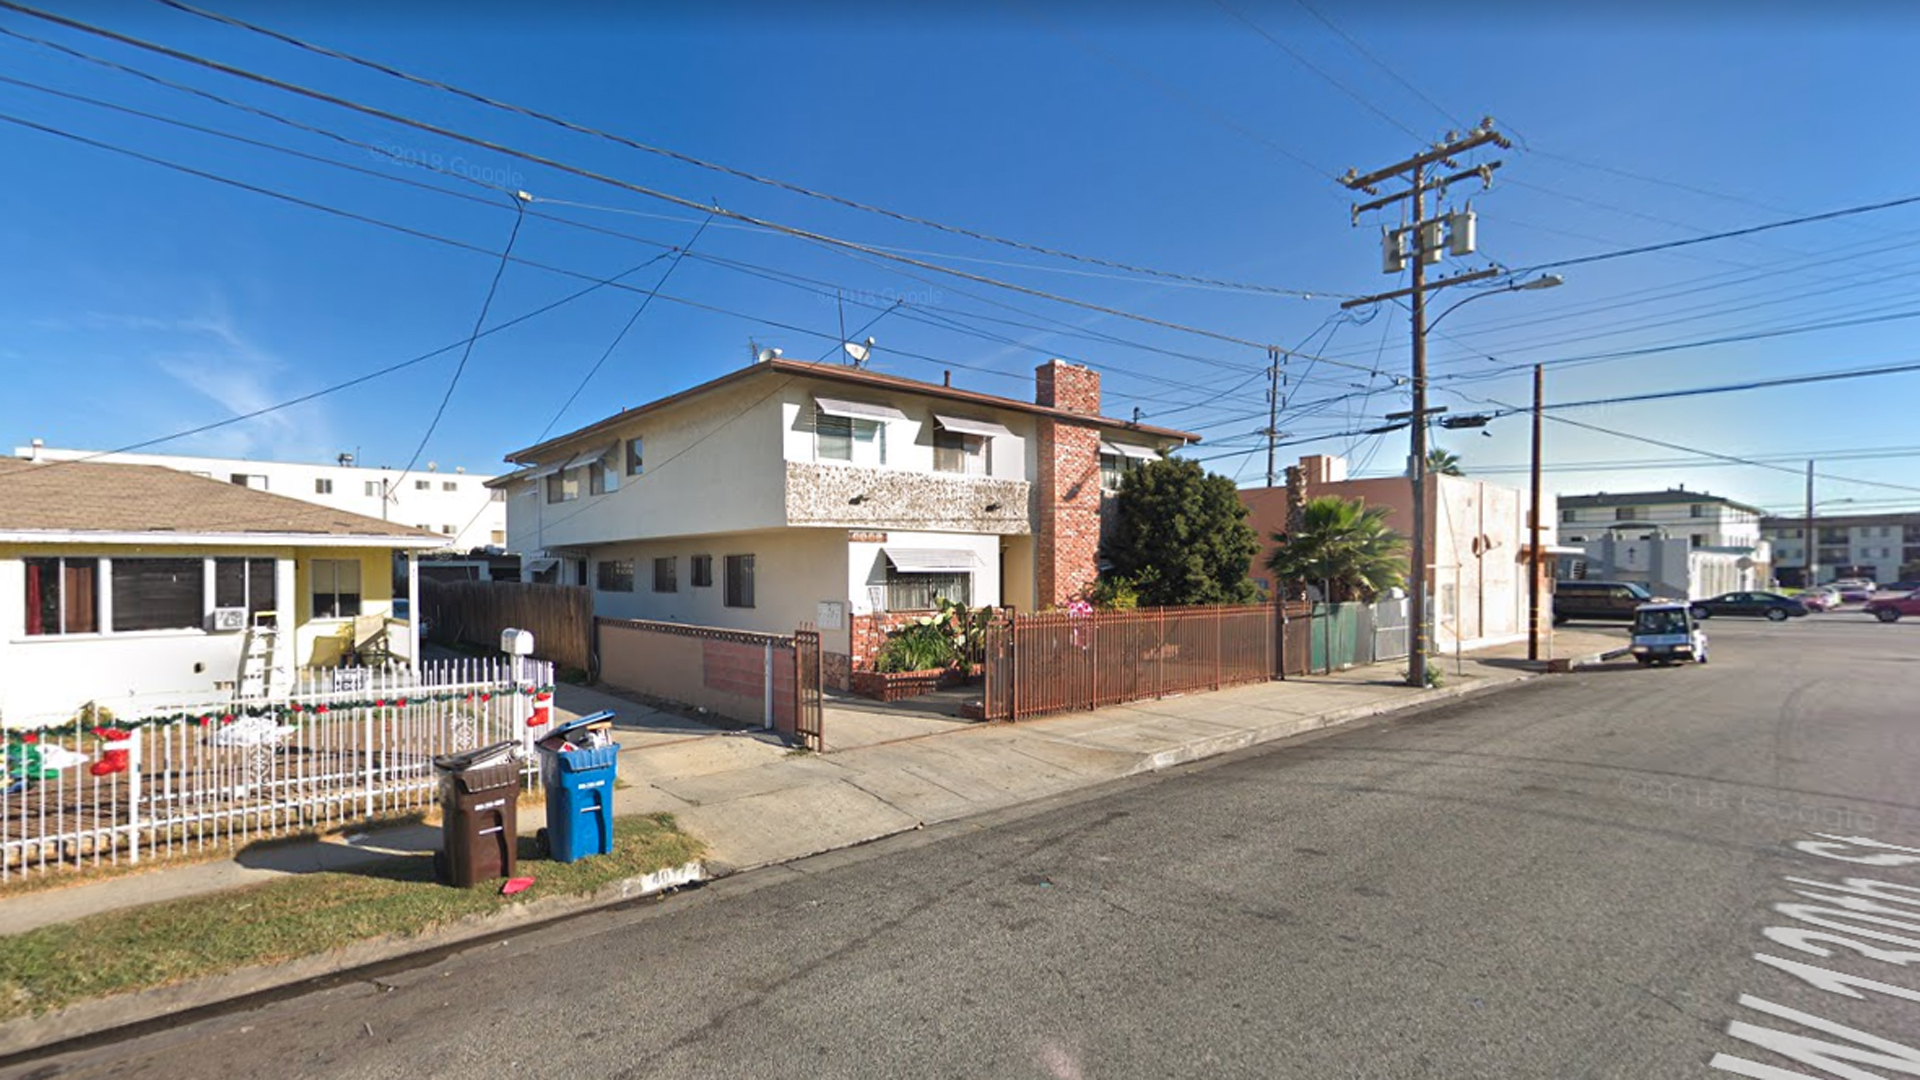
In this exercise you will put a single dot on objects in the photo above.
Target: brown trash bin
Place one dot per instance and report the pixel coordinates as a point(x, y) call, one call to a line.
point(479, 826)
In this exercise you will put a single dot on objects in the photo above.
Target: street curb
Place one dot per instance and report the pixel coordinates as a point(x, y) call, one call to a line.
point(111, 1019)
point(114, 1019)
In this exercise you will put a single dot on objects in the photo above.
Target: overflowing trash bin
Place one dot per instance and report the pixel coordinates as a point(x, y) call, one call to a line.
point(578, 765)
point(479, 826)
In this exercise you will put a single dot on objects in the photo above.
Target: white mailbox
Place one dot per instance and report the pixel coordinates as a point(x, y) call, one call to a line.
point(516, 642)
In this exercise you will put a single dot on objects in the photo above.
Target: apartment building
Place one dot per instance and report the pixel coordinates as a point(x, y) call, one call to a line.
point(1880, 547)
point(454, 504)
point(788, 492)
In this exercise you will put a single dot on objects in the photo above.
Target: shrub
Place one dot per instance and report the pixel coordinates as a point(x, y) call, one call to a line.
point(920, 647)
point(1116, 593)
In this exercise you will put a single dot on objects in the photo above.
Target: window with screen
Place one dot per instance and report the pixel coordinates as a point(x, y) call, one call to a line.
point(923, 592)
point(739, 581)
point(666, 574)
point(159, 594)
point(336, 588)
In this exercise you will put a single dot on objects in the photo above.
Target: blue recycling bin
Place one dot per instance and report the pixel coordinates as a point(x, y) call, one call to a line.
point(579, 785)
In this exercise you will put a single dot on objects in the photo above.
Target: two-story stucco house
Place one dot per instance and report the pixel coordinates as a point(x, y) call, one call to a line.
point(786, 493)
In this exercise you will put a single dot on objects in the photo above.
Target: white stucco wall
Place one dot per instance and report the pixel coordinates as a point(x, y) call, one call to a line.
point(867, 564)
point(451, 499)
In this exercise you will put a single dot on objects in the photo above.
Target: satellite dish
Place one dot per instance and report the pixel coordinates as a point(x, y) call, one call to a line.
point(859, 352)
point(765, 355)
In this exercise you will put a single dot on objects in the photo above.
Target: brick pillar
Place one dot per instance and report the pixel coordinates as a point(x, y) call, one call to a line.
point(1067, 491)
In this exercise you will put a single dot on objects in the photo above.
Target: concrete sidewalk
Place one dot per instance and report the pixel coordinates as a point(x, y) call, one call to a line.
point(756, 801)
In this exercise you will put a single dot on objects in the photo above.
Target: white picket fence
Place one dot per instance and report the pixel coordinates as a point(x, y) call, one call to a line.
point(346, 744)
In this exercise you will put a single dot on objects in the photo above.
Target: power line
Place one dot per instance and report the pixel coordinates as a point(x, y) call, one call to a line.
point(697, 162)
point(639, 189)
point(1315, 68)
point(1830, 215)
point(621, 336)
point(473, 335)
point(726, 263)
point(1376, 62)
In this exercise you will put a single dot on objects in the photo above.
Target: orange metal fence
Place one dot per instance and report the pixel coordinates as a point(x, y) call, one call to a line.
point(1058, 661)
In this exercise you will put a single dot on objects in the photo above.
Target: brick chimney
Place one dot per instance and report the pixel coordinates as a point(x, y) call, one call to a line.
point(1061, 385)
point(1067, 491)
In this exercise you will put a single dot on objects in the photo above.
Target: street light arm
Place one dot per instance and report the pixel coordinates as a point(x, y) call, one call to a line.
point(1544, 281)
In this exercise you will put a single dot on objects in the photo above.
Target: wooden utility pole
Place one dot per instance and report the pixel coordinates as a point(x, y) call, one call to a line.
point(1812, 560)
point(1424, 241)
point(1273, 406)
point(1533, 523)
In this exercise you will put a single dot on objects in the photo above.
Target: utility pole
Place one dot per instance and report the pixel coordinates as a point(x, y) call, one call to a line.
point(1812, 560)
point(1273, 406)
point(1533, 523)
point(1424, 241)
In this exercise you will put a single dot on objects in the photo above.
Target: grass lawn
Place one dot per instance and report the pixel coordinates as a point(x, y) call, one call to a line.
point(56, 966)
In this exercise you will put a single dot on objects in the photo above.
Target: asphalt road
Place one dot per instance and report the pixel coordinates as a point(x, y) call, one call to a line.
point(1570, 879)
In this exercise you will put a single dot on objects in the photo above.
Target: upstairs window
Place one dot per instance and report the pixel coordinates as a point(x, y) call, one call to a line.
point(372, 488)
point(847, 438)
point(1623, 513)
point(954, 452)
point(249, 480)
point(323, 486)
point(602, 478)
point(423, 485)
point(636, 459)
point(703, 571)
point(1696, 510)
point(1569, 516)
point(563, 486)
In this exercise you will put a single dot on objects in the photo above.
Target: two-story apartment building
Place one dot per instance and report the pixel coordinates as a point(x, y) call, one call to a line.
point(1882, 547)
point(455, 504)
point(1709, 521)
point(1689, 543)
point(786, 493)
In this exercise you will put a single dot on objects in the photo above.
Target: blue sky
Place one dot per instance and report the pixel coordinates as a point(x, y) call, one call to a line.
point(136, 301)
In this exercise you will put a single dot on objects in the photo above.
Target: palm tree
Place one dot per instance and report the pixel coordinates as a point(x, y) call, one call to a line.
point(1445, 462)
point(1344, 546)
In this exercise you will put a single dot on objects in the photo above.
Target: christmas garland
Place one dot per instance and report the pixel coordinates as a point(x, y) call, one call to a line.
point(279, 711)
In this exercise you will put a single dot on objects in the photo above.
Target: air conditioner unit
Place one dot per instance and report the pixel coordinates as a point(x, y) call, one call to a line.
point(229, 619)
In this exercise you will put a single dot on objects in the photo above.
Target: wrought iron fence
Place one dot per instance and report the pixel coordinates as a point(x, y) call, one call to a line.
point(346, 744)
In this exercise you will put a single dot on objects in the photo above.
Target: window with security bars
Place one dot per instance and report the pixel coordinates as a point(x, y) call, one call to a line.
point(703, 571)
point(923, 592)
point(614, 575)
point(666, 574)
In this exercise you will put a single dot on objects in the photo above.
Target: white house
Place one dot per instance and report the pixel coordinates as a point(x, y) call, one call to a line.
point(140, 588)
point(1680, 542)
point(457, 505)
point(787, 493)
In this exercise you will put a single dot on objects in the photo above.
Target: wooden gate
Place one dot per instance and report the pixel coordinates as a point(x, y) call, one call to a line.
point(807, 685)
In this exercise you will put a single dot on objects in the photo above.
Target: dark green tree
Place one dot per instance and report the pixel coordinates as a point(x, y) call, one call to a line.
point(1343, 547)
point(1180, 536)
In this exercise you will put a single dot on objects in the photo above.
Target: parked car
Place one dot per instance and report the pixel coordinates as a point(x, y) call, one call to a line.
point(1665, 633)
point(1854, 592)
point(1764, 605)
point(1611, 600)
point(1821, 599)
point(1890, 606)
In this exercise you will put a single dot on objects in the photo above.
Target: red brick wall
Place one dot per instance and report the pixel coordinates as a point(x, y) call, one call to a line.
point(1067, 535)
point(869, 634)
